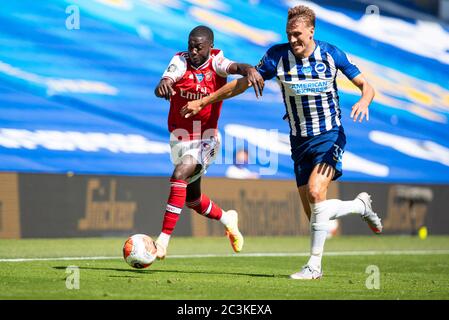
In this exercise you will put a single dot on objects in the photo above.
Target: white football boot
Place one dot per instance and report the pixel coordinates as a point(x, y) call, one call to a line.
point(369, 215)
point(161, 252)
point(307, 273)
point(161, 248)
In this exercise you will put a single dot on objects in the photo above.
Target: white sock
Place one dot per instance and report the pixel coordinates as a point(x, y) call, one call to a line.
point(338, 208)
point(319, 227)
point(225, 219)
point(322, 213)
point(163, 239)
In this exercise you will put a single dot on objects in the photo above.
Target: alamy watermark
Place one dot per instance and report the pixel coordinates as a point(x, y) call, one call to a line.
point(72, 22)
point(373, 12)
point(73, 279)
point(373, 280)
point(261, 150)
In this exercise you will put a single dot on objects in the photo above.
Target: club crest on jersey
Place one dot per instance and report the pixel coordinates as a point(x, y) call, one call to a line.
point(199, 77)
point(320, 67)
point(208, 76)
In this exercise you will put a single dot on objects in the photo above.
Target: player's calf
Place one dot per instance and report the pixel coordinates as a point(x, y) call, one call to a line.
point(206, 207)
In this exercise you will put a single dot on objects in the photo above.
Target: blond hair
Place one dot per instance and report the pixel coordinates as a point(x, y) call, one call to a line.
point(303, 13)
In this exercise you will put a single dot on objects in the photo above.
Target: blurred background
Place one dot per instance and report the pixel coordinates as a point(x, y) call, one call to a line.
point(84, 143)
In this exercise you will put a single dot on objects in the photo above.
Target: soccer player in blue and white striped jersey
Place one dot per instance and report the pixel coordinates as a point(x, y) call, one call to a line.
point(306, 70)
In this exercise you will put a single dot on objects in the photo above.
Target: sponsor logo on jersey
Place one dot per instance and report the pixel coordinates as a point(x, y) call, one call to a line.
point(309, 87)
point(307, 69)
point(199, 76)
point(192, 95)
point(320, 67)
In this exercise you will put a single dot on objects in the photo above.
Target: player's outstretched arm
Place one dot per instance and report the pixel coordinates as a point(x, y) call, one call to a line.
point(254, 78)
point(164, 89)
point(360, 109)
point(229, 90)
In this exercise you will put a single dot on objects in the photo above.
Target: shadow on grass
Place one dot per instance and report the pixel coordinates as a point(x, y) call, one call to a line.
point(154, 271)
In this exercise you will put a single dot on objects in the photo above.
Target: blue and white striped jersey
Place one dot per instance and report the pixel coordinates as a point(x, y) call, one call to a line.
point(308, 85)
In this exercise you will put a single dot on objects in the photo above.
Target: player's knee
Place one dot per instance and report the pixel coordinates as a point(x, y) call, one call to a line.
point(178, 175)
point(315, 194)
point(182, 173)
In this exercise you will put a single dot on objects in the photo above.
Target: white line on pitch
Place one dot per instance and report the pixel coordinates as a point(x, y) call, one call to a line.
point(286, 254)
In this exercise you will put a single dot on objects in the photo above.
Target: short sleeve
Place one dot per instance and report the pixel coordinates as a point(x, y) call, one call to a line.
point(221, 64)
point(344, 63)
point(267, 65)
point(176, 68)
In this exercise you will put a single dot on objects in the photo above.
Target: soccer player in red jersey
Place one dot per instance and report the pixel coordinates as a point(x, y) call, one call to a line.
point(194, 142)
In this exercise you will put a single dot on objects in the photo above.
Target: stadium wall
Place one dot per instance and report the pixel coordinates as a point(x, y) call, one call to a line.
point(52, 206)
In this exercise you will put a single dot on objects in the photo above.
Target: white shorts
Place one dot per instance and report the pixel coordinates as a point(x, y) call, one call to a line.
point(203, 151)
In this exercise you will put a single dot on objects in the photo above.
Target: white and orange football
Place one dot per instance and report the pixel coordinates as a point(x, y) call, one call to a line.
point(139, 251)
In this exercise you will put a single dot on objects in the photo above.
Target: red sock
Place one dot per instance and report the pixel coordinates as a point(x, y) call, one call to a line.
point(176, 200)
point(206, 207)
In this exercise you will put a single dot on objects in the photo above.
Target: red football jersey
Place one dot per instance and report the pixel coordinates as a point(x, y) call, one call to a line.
point(191, 84)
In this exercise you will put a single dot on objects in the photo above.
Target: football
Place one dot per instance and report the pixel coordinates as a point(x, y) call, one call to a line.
point(139, 251)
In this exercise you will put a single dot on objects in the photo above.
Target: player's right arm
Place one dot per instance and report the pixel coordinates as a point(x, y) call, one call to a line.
point(176, 69)
point(165, 89)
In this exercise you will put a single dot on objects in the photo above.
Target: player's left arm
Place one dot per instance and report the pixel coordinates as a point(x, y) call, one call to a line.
point(229, 90)
point(254, 78)
point(266, 69)
point(360, 109)
point(353, 73)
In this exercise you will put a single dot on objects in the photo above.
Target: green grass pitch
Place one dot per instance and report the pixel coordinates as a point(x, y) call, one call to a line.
point(409, 268)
